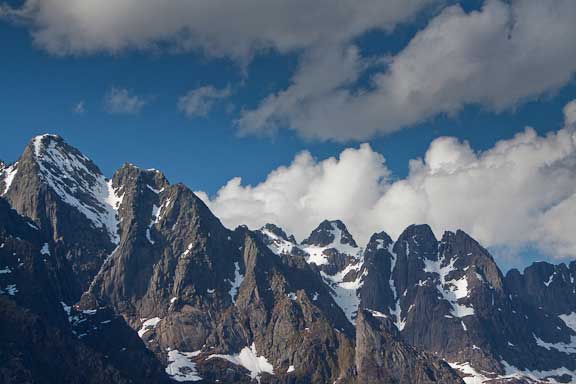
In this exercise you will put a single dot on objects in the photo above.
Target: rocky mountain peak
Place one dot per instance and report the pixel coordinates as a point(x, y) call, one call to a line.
point(467, 253)
point(550, 287)
point(278, 241)
point(278, 232)
point(379, 240)
point(72, 177)
point(70, 202)
point(52, 153)
point(417, 242)
point(332, 232)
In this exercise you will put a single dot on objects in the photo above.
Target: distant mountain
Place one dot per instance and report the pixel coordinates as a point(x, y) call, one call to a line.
point(134, 280)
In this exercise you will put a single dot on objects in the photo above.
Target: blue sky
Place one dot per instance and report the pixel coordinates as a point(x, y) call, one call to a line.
point(42, 83)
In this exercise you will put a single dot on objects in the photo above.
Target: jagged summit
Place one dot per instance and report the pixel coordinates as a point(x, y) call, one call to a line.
point(136, 262)
point(332, 232)
point(75, 179)
point(277, 231)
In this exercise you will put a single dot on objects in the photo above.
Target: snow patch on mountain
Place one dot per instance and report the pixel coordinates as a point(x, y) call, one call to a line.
point(452, 290)
point(238, 278)
point(345, 293)
point(9, 173)
point(10, 290)
point(570, 320)
point(180, 367)
point(396, 311)
point(569, 348)
point(45, 250)
point(471, 376)
point(277, 244)
point(517, 373)
point(317, 255)
point(153, 220)
point(249, 359)
point(148, 324)
point(156, 191)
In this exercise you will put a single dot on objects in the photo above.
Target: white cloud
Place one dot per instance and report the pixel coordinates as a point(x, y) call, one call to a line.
point(198, 102)
point(497, 57)
point(504, 54)
point(570, 113)
point(235, 29)
point(519, 192)
point(79, 108)
point(123, 101)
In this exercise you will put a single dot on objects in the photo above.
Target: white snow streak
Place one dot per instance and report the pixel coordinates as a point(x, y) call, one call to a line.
point(249, 359)
point(148, 324)
point(238, 278)
point(180, 367)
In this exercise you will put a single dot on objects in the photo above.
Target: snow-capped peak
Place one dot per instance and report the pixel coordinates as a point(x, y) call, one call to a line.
point(277, 240)
point(330, 233)
point(78, 182)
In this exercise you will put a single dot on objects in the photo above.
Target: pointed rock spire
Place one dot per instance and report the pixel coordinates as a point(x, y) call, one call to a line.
point(330, 233)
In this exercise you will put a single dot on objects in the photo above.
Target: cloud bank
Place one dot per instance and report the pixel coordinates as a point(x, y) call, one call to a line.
point(236, 29)
point(497, 57)
point(521, 192)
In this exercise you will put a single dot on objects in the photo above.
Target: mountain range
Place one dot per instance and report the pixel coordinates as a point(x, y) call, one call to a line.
point(134, 280)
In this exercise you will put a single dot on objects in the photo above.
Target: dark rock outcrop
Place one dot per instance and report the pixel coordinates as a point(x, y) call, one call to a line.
point(38, 333)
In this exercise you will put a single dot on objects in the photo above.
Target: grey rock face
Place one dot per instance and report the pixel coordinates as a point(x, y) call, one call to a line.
point(378, 291)
point(382, 357)
point(547, 286)
point(67, 197)
point(214, 290)
point(38, 333)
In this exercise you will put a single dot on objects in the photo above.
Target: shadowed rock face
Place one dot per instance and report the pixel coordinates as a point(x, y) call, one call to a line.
point(382, 356)
point(448, 297)
point(546, 286)
point(44, 340)
point(132, 278)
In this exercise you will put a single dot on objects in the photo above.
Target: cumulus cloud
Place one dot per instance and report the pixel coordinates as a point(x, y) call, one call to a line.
point(520, 192)
point(570, 113)
point(496, 57)
point(198, 102)
point(123, 101)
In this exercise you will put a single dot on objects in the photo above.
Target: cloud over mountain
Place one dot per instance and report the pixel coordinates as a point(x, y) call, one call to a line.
point(518, 193)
